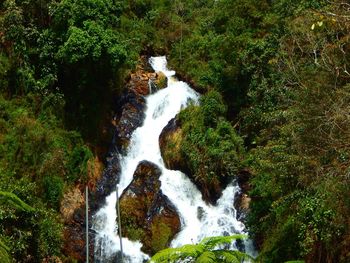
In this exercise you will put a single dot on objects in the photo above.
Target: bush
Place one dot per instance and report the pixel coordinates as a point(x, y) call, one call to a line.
point(78, 163)
point(53, 190)
point(211, 147)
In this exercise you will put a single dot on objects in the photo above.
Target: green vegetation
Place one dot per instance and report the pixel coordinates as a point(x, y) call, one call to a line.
point(207, 250)
point(35, 158)
point(282, 69)
point(275, 77)
point(210, 146)
point(161, 234)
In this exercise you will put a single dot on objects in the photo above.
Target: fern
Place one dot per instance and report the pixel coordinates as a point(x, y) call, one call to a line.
point(14, 201)
point(10, 199)
point(204, 252)
point(212, 242)
point(4, 255)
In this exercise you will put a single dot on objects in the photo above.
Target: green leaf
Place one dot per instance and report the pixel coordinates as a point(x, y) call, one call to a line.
point(14, 201)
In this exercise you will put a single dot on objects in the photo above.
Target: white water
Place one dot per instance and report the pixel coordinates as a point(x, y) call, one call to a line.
point(198, 219)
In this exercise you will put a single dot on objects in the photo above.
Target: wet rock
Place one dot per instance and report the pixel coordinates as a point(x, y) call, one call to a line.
point(131, 106)
point(106, 184)
point(242, 200)
point(146, 213)
point(74, 237)
point(160, 82)
point(241, 204)
point(131, 116)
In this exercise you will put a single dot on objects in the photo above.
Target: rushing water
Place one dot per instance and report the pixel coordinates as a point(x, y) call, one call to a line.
point(198, 219)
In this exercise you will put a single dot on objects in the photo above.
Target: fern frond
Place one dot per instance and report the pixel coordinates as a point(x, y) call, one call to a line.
point(4, 255)
point(232, 256)
point(14, 201)
point(212, 242)
point(203, 252)
point(207, 257)
point(176, 254)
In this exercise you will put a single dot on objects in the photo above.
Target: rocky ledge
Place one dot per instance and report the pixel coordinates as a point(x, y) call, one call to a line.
point(146, 213)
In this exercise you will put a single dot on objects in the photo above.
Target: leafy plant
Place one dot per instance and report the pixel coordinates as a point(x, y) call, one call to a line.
point(208, 250)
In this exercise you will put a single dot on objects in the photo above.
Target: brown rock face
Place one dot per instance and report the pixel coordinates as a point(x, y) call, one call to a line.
point(72, 209)
point(71, 201)
point(140, 82)
point(242, 200)
point(146, 213)
point(74, 236)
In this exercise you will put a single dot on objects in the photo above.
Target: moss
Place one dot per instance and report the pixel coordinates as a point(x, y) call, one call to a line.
point(171, 149)
point(161, 235)
point(161, 81)
point(131, 215)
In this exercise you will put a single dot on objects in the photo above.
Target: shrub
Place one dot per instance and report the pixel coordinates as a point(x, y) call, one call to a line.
point(53, 190)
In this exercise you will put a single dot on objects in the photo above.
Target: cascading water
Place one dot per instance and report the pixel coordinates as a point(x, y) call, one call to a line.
point(198, 219)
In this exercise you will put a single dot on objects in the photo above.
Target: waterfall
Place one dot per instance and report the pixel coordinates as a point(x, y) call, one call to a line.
point(198, 219)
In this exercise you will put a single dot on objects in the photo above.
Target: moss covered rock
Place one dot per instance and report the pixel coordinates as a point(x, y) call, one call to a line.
point(170, 142)
point(208, 156)
point(170, 146)
point(146, 213)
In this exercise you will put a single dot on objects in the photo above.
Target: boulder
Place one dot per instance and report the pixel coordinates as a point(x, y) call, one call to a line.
point(159, 82)
point(242, 200)
point(241, 205)
point(170, 143)
point(130, 116)
point(146, 213)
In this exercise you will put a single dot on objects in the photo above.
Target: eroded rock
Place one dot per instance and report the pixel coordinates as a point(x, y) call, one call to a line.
point(131, 116)
point(146, 213)
point(71, 201)
point(74, 237)
point(242, 200)
point(169, 143)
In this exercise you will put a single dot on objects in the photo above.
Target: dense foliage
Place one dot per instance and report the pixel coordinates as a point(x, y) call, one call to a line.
point(60, 63)
point(277, 83)
point(38, 160)
point(210, 147)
